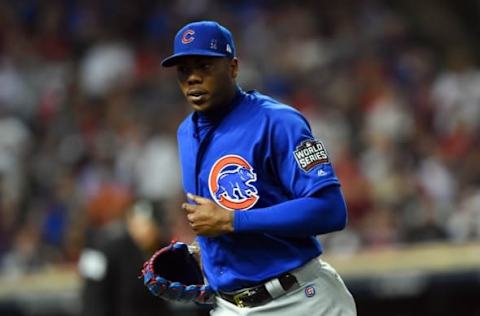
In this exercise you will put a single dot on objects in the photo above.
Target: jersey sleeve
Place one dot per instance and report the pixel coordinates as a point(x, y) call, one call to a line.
point(300, 161)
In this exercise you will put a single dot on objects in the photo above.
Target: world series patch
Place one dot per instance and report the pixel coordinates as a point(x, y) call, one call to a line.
point(310, 153)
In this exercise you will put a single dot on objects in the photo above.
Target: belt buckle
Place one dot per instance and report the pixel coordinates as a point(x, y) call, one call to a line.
point(237, 298)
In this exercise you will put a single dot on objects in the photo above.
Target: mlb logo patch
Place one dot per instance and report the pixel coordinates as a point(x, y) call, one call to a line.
point(309, 291)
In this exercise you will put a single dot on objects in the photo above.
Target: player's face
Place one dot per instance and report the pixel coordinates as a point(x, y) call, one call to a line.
point(207, 82)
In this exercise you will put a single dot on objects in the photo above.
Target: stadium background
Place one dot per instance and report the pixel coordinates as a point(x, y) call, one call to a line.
point(88, 120)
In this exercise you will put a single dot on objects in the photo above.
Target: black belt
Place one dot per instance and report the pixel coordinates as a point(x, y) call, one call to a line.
point(257, 295)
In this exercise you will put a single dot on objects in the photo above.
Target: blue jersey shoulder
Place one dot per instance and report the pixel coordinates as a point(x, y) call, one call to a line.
point(276, 112)
point(184, 125)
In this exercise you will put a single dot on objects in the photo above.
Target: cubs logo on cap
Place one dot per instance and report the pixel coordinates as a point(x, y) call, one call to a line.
point(204, 38)
point(187, 36)
point(231, 183)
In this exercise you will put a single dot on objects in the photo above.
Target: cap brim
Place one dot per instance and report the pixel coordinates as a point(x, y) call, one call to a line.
point(173, 60)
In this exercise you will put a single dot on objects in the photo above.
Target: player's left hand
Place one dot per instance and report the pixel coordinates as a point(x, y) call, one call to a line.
point(207, 218)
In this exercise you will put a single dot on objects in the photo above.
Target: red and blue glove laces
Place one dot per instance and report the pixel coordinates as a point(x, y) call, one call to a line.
point(172, 273)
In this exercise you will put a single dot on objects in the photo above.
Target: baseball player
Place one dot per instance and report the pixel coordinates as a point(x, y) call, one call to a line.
point(259, 188)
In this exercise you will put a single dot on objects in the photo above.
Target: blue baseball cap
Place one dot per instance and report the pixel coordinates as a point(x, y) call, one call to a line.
point(204, 38)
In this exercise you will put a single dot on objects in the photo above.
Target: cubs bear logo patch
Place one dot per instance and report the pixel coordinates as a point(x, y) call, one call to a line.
point(310, 153)
point(231, 183)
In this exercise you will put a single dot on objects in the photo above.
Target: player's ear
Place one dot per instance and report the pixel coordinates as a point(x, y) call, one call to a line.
point(234, 67)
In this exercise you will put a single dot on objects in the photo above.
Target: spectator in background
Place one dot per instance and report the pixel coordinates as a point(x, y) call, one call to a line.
point(112, 261)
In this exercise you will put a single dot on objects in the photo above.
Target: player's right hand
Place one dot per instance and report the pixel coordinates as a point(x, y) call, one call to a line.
point(207, 218)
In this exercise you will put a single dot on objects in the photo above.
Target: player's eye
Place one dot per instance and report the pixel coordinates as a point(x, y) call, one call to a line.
point(182, 69)
point(205, 66)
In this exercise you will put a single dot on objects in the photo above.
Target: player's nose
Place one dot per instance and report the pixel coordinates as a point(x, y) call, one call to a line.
point(194, 78)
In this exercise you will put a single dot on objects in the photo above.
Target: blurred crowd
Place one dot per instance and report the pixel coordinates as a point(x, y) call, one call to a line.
point(88, 117)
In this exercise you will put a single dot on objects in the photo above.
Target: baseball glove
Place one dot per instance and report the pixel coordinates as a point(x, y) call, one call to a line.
point(173, 273)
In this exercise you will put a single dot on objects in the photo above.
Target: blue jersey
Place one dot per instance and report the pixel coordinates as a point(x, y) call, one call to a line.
point(258, 154)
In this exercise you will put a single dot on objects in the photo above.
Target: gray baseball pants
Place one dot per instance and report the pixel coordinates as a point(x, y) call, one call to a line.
point(321, 293)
